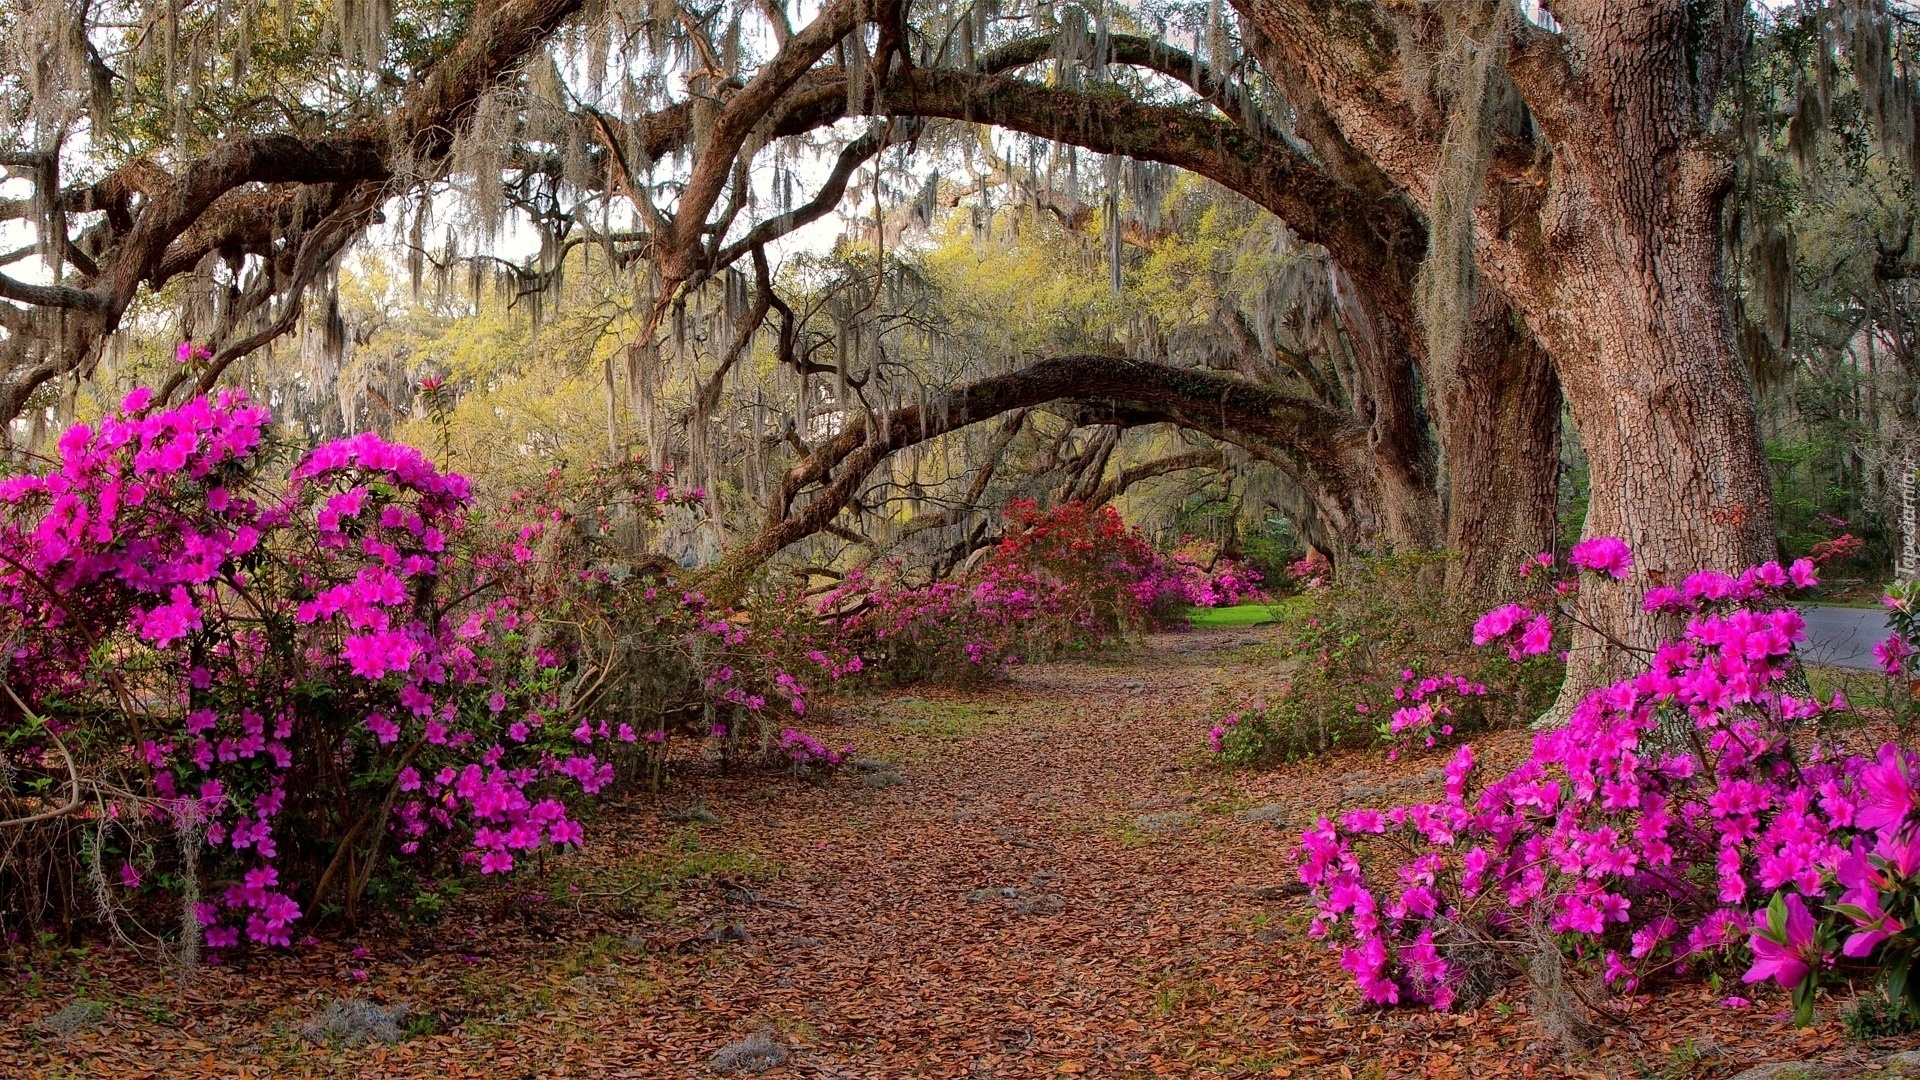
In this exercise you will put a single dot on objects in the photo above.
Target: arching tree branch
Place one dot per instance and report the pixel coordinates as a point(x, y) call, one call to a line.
point(1271, 425)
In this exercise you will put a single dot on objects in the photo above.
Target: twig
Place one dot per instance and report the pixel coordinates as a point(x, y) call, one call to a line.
point(73, 773)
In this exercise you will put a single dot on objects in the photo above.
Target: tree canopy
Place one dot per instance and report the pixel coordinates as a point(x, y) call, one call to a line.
point(1443, 214)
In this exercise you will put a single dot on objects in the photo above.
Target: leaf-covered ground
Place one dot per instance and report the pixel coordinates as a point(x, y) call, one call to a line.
point(1039, 878)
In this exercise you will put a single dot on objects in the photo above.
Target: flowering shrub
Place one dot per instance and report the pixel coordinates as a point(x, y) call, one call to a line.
point(290, 672)
point(1839, 549)
point(660, 656)
point(1070, 577)
point(306, 673)
point(809, 755)
point(1242, 738)
point(1428, 714)
point(1429, 710)
point(1311, 571)
point(1680, 816)
point(1209, 578)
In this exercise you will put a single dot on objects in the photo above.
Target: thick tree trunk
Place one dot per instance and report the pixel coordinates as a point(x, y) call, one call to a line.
point(1499, 417)
point(1601, 226)
point(1615, 261)
point(1384, 395)
point(1662, 403)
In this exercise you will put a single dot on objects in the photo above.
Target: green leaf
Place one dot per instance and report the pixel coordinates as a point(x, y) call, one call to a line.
point(1777, 918)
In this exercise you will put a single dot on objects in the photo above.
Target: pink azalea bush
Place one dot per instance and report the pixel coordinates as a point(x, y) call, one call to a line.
point(225, 652)
point(1208, 577)
point(809, 755)
point(683, 672)
point(276, 683)
point(1240, 738)
point(1310, 571)
point(1683, 817)
point(1073, 576)
point(1427, 709)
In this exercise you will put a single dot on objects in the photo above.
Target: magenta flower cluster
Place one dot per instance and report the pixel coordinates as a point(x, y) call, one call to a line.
point(1199, 574)
point(1680, 815)
point(807, 753)
point(1426, 714)
point(1217, 735)
point(249, 639)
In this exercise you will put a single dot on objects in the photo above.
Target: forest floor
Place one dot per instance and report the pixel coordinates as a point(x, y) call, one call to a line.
point(1044, 878)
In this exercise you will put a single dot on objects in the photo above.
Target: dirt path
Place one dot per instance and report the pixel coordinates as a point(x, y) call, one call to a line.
point(1041, 878)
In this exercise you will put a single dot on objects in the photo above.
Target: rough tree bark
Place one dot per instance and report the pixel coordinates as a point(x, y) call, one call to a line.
point(1616, 262)
point(1499, 418)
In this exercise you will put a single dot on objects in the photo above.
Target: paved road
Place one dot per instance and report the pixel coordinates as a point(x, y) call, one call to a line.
point(1843, 636)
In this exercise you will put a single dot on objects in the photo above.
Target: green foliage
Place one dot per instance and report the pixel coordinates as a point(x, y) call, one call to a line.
point(1269, 549)
point(1824, 291)
point(1871, 1016)
point(1250, 738)
point(1356, 641)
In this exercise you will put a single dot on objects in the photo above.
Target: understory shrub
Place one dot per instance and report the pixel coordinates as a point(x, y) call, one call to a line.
point(1067, 578)
point(1686, 820)
point(1385, 654)
point(280, 674)
point(658, 656)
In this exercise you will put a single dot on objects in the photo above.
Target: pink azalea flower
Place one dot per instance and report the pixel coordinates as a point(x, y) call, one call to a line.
point(1603, 555)
point(1538, 636)
point(1891, 653)
point(1494, 625)
point(1862, 903)
point(1785, 953)
point(1886, 790)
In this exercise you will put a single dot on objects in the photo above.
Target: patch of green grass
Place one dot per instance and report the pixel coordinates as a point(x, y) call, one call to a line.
point(1172, 993)
point(610, 958)
point(1872, 603)
point(1239, 615)
point(1285, 609)
point(940, 719)
point(1864, 689)
point(1175, 991)
point(650, 881)
point(1684, 1062)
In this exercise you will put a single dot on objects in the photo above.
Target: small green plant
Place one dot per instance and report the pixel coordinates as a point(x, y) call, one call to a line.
point(1245, 738)
point(1689, 1059)
point(428, 905)
point(1871, 1017)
